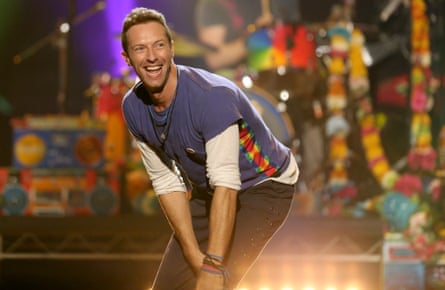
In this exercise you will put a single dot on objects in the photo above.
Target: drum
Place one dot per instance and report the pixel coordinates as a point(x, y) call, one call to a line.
point(261, 52)
point(278, 122)
point(283, 62)
point(289, 45)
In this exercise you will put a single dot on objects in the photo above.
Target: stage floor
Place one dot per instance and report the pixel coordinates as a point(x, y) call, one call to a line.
point(122, 253)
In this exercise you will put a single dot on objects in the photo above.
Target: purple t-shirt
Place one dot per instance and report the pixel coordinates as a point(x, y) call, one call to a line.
point(206, 104)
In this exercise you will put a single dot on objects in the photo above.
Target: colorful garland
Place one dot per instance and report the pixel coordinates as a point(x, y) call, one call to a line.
point(409, 203)
point(339, 186)
point(409, 199)
point(369, 130)
point(421, 156)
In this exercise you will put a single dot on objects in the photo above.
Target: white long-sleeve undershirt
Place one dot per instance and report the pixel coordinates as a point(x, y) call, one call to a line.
point(222, 165)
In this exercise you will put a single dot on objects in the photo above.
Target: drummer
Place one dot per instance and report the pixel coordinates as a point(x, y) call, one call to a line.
point(223, 25)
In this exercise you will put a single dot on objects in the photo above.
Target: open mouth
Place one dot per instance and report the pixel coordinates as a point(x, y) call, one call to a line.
point(153, 71)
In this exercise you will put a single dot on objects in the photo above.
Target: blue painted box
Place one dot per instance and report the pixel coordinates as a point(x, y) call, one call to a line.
point(58, 147)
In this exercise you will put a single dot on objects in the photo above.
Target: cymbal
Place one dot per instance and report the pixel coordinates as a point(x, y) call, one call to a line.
point(185, 47)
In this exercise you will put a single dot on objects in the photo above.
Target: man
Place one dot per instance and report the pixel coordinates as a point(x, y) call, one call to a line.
point(229, 28)
point(224, 182)
point(225, 26)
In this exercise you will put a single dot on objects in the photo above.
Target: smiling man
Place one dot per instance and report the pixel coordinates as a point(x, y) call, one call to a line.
point(224, 182)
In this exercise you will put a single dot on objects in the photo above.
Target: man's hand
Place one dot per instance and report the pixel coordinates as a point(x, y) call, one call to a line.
point(195, 261)
point(210, 281)
point(264, 20)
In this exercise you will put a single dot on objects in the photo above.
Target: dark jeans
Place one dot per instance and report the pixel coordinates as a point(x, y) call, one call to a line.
point(261, 211)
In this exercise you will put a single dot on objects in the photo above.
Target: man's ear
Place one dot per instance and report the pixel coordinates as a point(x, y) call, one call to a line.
point(126, 58)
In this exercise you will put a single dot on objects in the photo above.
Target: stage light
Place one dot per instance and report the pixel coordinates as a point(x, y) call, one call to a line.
point(308, 288)
point(281, 107)
point(284, 95)
point(281, 70)
point(64, 27)
point(247, 82)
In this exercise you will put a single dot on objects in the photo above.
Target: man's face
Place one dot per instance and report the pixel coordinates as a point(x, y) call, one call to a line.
point(150, 53)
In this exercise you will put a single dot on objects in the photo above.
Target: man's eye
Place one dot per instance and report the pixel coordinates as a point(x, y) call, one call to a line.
point(138, 48)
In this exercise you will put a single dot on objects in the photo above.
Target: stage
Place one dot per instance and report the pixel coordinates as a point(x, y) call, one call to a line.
point(122, 252)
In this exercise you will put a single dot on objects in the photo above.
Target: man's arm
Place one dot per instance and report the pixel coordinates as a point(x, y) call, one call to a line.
point(224, 54)
point(222, 220)
point(227, 53)
point(174, 203)
point(177, 210)
point(224, 177)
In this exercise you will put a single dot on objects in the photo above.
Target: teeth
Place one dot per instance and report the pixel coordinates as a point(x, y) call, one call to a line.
point(152, 68)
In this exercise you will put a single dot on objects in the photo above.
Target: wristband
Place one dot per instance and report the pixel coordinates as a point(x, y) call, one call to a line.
point(213, 264)
point(216, 257)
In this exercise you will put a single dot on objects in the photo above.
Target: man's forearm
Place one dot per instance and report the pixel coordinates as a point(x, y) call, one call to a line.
point(222, 220)
point(177, 210)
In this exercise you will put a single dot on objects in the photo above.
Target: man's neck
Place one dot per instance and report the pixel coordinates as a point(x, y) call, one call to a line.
point(163, 99)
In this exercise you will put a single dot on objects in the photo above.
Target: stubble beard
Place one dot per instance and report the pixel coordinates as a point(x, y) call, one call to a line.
point(160, 88)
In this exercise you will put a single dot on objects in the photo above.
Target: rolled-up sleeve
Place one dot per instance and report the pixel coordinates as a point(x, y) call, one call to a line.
point(163, 179)
point(223, 159)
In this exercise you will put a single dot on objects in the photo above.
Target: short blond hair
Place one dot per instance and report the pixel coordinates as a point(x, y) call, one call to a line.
point(142, 15)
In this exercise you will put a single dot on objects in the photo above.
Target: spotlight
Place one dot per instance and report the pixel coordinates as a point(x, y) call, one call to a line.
point(64, 27)
point(282, 107)
point(284, 95)
point(247, 82)
point(281, 70)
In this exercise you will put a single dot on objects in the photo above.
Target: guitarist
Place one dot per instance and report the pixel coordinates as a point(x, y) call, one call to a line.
point(224, 25)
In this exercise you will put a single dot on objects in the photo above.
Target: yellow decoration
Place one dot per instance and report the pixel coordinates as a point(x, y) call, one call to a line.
point(371, 140)
point(374, 152)
point(338, 148)
point(337, 66)
point(381, 169)
point(29, 149)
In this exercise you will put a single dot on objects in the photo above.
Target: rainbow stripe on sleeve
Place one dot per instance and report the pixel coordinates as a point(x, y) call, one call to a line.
point(252, 151)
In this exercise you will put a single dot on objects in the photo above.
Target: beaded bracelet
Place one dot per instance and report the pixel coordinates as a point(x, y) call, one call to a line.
point(214, 264)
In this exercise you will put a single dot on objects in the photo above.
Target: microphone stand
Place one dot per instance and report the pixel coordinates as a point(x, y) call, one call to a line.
point(60, 36)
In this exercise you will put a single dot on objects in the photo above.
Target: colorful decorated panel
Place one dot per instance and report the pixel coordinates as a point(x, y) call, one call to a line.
point(46, 143)
point(58, 192)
